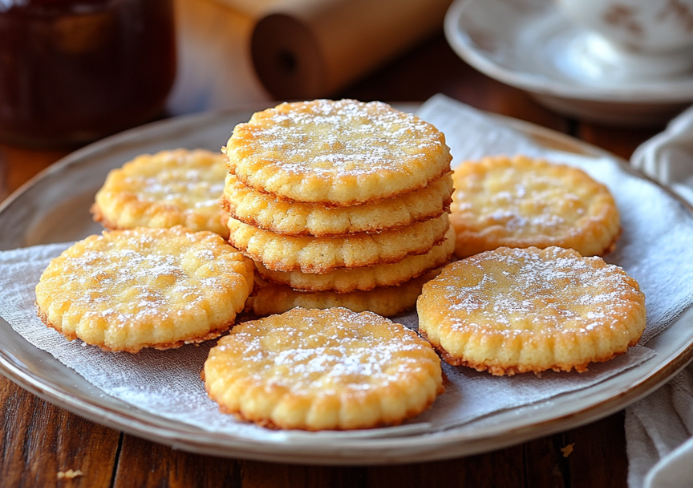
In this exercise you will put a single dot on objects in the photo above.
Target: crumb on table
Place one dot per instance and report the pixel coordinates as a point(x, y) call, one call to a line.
point(567, 450)
point(69, 474)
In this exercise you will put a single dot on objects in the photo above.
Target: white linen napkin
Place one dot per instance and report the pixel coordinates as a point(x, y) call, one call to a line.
point(659, 427)
point(668, 157)
point(167, 383)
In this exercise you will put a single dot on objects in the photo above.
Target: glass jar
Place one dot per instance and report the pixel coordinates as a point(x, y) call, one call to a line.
point(72, 71)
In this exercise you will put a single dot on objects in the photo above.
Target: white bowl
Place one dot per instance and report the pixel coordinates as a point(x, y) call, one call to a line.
point(529, 44)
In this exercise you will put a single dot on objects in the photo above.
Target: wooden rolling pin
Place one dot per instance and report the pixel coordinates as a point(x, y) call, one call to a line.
point(305, 49)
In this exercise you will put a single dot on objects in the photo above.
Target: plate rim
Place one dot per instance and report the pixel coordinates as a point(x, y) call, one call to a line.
point(441, 445)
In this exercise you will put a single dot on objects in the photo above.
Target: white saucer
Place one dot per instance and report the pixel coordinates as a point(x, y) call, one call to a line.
point(529, 44)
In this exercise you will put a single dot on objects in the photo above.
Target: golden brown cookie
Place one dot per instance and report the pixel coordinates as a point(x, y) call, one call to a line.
point(325, 254)
point(387, 301)
point(269, 213)
point(323, 369)
point(161, 288)
point(517, 310)
point(366, 278)
point(523, 202)
point(165, 189)
point(336, 152)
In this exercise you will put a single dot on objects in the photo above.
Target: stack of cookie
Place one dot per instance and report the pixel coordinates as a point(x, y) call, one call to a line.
point(339, 203)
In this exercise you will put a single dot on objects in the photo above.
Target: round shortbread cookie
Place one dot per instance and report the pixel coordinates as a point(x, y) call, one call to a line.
point(365, 278)
point(387, 301)
point(336, 152)
point(323, 369)
point(523, 202)
point(161, 288)
point(166, 189)
point(518, 310)
point(266, 212)
point(324, 254)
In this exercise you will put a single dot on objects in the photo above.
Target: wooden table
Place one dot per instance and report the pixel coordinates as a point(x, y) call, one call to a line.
point(37, 439)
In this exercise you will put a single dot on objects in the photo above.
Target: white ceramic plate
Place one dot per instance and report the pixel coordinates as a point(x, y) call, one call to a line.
point(53, 207)
point(528, 44)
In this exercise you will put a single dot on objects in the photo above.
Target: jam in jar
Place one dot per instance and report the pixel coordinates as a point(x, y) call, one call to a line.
point(72, 71)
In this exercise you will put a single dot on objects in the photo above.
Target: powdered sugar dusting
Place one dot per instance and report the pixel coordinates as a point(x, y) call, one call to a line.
point(194, 188)
point(343, 138)
point(133, 285)
point(524, 197)
point(532, 289)
point(326, 353)
point(137, 276)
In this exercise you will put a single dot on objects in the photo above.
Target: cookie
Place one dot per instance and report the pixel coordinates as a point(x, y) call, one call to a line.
point(325, 254)
point(264, 211)
point(323, 369)
point(365, 278)
point(517, 310)
point(387, 301)
point(179, 187)
point(160, 288)
point(338, 153)
point(523, 202)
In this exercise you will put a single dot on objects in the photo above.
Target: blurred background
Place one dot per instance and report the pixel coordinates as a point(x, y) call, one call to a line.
point(75, 71)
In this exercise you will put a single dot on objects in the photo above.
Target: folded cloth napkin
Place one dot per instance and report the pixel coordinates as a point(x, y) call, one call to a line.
point(668, 157)
point(659, 428)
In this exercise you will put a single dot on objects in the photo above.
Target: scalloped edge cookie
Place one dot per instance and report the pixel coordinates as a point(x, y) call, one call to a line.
point(365, 278)
point(267, 212)
point(524, 202)
point(519, 310)
point(325, 254)
point(387, 301)
point(338, 153)
point(191, 182)
point(323, 370)
point(131, 289)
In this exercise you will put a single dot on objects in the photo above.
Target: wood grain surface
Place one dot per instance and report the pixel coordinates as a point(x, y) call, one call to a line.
point(39, 440)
